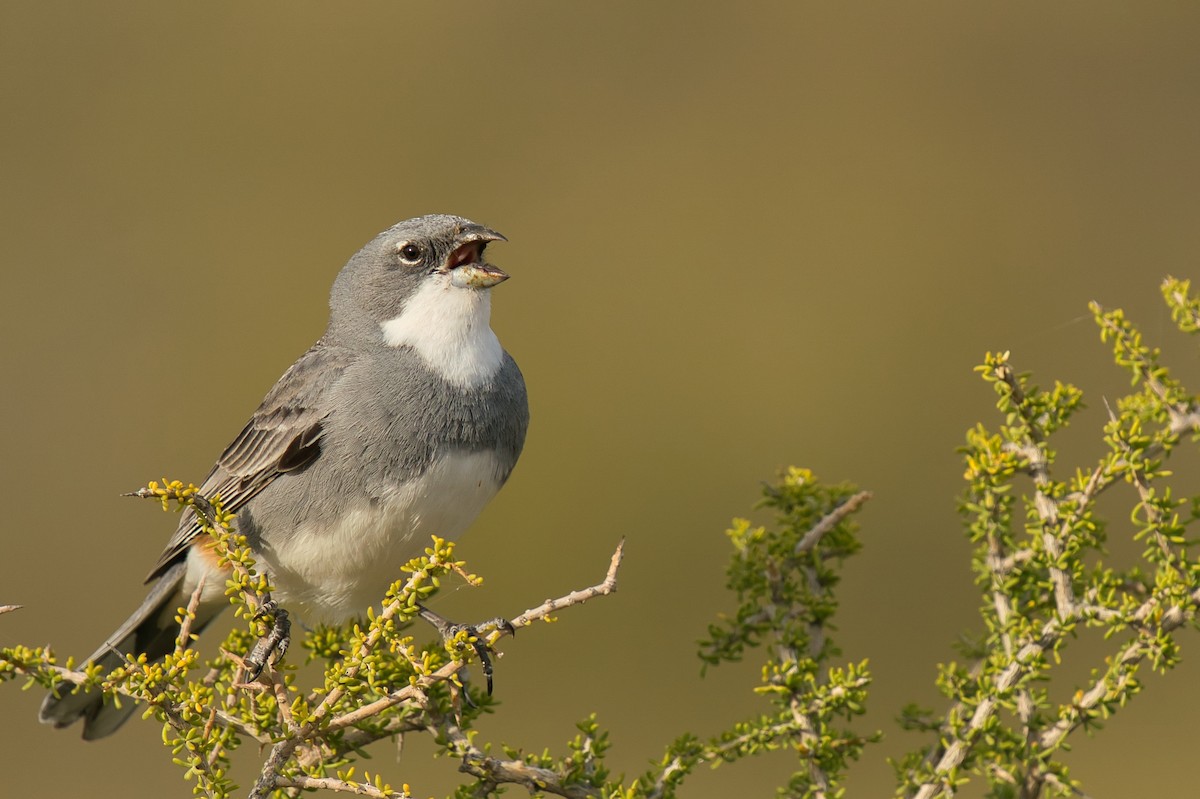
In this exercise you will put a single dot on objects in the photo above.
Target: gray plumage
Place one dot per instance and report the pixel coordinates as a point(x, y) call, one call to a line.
point(400, 422)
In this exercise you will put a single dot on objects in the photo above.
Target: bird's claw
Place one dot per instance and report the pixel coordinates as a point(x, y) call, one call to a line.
point(272, 646)
point(476, 637)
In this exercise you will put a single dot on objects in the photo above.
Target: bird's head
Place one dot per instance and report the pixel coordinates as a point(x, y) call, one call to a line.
point(436, 256)
point(423, 283)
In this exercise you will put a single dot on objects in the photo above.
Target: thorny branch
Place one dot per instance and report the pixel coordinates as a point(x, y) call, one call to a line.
point(311, 737)
point(803, 720)
point(1159, 612)
point(324, 734)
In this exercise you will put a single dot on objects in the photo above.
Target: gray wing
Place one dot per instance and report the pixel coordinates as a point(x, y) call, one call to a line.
point(283, 435)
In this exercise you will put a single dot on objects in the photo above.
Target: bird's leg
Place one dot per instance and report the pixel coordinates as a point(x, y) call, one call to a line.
point(272, 646)
point(476, 636)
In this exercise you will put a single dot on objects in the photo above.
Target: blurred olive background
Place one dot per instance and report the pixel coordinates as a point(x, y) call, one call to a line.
point(742, 236)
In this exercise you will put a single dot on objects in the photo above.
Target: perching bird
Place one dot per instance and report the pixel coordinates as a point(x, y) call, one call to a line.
point(401, 422)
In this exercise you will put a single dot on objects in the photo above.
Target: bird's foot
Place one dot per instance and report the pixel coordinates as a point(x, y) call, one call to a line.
point(272, 646)
point(473, 635)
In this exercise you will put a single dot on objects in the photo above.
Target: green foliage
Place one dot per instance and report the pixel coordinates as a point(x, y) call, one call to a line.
point(1039, 560)
point(1185, 308)
point(784, 579)
point(1045, 576)
point(377, 682)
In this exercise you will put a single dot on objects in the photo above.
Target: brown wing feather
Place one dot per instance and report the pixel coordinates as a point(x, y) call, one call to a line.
point(283, 435)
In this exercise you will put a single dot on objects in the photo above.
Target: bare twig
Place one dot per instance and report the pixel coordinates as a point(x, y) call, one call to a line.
point(805, 715)
point(501, 771)
point(1034, 452)
point(830, 520)
point(180, 726)
point(189, 616)
point(494, 771)
point(405, 694)
point(605, 587)
point(340, 786)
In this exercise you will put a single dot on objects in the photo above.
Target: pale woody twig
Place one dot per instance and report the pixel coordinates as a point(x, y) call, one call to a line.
point(806, 717)
point(954, 754)
point(1060, 785)
point(405, 694)
point(1003, 565)
point(1130, 655)
point(495, 771)
point(492, 769)
point(1034, 453)
point(283, 702)
point(607, 586)
point(341, 786)
point(1007, 776)
point(830, 520)
point(189, 615)
point(1134, 651)
point(1069, 608)
point(1033, 450)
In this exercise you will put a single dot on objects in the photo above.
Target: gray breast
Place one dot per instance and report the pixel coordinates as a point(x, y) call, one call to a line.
point(390, 418)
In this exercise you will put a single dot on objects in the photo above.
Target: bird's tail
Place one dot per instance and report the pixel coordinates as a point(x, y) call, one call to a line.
point(151, 629)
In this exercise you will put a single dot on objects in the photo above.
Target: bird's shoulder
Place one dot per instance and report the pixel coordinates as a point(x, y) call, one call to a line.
point(287, 424)
point(283, 435)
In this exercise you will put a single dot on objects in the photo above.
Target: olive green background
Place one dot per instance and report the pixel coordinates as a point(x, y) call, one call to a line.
point(742, 236)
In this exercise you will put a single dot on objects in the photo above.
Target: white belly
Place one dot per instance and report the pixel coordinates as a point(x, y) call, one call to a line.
point(330, 575)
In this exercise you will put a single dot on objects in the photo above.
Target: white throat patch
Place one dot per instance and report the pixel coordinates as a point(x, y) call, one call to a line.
point(448, 327)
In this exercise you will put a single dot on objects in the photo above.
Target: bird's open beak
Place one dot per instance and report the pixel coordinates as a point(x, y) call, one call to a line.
point(467, 268)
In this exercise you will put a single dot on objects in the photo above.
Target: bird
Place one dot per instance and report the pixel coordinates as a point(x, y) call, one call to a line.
point(401, 422)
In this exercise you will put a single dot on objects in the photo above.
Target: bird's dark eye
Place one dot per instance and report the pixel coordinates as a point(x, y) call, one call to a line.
point(411, 253)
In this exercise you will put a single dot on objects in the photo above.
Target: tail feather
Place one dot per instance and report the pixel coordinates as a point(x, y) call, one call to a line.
point(152, 630)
